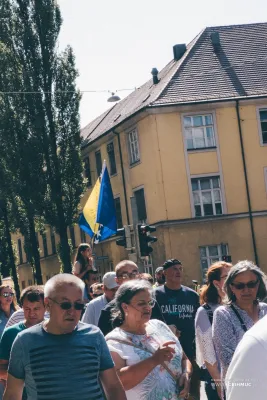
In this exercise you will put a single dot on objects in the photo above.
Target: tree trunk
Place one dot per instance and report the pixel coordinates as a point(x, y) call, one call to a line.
point(10, 253)
point(35, 252)
point(65, 251)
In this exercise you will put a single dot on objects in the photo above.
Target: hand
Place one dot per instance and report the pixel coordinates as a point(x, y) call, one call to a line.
point(184, 382)
point(219, 390)
point(164, 353)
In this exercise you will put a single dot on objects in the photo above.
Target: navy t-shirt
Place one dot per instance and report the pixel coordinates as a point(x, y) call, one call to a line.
point(179, 308)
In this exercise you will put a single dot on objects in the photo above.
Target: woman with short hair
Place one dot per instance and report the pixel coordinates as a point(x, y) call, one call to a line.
point(148, 357)
point(211, 297)
point(245, 287)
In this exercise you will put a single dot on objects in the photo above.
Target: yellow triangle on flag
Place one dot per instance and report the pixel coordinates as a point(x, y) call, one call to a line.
point(90, 208)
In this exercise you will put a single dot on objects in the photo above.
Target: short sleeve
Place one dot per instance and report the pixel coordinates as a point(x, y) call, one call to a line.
point(16, 365)
point(76, 269)
point(116, 347)
point(106, 361)
point(205, 351)
point(5, 345)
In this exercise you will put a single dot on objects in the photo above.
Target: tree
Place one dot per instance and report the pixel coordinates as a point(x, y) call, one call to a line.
point(30, 32)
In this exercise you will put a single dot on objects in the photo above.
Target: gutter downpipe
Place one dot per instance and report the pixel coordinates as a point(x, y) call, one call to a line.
point(123, 177)
point(247, 186)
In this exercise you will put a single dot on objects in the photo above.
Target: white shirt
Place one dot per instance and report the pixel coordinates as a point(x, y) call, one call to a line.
point(246, 377)
point(18, 316)
point(93, 310)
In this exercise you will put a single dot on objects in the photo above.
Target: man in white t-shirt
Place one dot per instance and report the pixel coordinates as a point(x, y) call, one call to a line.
point(94, 308)
point(246, 377)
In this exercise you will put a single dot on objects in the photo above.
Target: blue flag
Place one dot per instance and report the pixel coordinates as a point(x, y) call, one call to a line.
point(98, 218)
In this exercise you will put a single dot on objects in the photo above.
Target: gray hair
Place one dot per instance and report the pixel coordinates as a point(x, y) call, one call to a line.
point(124, 294)
point(244, 266)
point(60, 280)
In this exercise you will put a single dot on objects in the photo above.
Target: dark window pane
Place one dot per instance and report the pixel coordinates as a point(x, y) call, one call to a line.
point(141, 205)
point(112, 160)
point(20, 251)
point(263, 115)
point(224, 249)
point(87, 171)
point(98, 161)
point(264, 136)
point(198, 211)
point(72, 236)
point(23, 284)
point(53, 241)
point(44, 245)
point(194, 183)
point(218, 208)
point(208, 210)
point(205, 184)
point(118, 212)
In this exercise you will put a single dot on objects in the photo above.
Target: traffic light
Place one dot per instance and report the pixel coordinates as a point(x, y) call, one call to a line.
point(125, 237)
point(227, 259)
point(145, 239)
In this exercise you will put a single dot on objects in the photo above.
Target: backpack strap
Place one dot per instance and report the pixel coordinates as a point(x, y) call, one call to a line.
point(209, 312)
point(239, 317)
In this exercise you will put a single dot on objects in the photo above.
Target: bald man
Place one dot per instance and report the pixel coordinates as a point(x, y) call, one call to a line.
point(125, 271)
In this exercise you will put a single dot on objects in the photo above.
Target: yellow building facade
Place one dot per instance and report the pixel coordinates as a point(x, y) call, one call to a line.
point(197, 170)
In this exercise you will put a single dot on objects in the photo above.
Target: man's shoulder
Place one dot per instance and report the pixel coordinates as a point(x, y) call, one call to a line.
point(18, 327)
point(97, 301)
point(159, 290)
point(109, 306)
point(83, 329)
point(259, 331)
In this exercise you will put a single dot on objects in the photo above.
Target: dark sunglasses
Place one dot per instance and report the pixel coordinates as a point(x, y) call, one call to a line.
point(249, 285)
point(67, 305)
point(7, 294)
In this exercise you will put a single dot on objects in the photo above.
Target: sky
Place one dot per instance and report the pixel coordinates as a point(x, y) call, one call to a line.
point(118, 42)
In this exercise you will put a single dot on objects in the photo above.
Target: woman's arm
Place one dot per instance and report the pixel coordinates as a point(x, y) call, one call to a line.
point(132, 375)
point(77, 270)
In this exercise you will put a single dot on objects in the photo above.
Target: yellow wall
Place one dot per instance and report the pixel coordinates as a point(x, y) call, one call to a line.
point(165, 171)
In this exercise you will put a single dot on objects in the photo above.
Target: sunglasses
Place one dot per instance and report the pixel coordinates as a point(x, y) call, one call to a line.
point(128, 275)
point(7, 294)
point(249, 285)
point(67, 305)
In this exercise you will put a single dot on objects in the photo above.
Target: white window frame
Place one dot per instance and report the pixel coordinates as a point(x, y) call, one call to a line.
point(185, 129)
point(265, 178)
point(133, 146)
point(212, 259)
point(199, 191)
point(259, 109)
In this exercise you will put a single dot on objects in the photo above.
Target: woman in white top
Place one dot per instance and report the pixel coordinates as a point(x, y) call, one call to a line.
point(83, 260)
point(148, 357)
point(210, 298)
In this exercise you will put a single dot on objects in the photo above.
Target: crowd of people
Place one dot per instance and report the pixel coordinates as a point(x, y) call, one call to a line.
point(129, 337)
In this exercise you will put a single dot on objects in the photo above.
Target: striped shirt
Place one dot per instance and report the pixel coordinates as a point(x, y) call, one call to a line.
point(18, 316)
point(62, 367)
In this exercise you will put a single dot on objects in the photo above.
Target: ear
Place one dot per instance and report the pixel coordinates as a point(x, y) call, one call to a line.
point(124, 306)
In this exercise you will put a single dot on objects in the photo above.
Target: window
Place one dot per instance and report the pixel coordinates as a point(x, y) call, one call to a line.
point(45, 244)
point(211, 254)
point(199, 131)
point(118, 212)
point(72, 236)
point(133, 146)
point(263, 124)
point(30, 282)
point(83, 237)
point(98, 161)
point(207, 196)
point(20, 251)
point(23, 284)
point(112, 159)
point(87, 171)
point(148, 268)
point(141, 205)
point(111, 266)
point(53, 241)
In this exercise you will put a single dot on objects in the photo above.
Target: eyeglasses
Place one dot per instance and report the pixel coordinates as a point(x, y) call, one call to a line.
point(144, 304)
point(128, 275)
point(67, 305)
point(249, 285)
point(7, 294)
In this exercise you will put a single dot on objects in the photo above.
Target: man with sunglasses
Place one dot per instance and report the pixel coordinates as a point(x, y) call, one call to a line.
point(32, 301)
point(125, 270)
point(94, 308)
point(62, 358)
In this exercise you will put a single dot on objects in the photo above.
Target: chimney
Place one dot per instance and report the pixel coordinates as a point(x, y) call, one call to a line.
point(178, 51)
point(154, 73)
point(215, 40)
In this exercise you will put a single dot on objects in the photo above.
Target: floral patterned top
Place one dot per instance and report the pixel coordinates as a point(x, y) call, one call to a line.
point(227, 331)
point(158, 384)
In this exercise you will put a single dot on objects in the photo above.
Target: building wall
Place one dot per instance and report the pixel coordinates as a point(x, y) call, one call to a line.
point(165, 171)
